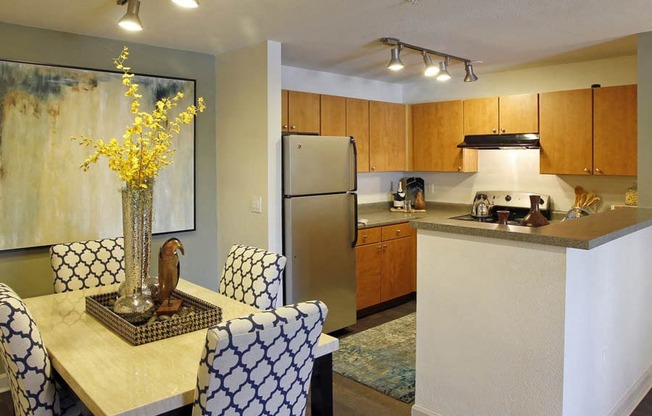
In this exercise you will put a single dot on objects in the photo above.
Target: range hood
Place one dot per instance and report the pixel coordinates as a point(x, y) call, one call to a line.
point(501, 141)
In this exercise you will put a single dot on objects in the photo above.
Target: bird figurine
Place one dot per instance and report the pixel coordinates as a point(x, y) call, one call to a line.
point(169, 269)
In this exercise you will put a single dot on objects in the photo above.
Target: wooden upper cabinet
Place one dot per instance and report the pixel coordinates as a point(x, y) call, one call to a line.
point(387, 137)
point(481, 116)
point(519, 113)
point(285, 126)
point(357, 126)
point(506, 114)
point(303, 110)
point(615, 130)
point(566, 132)
point(333, 116)
point(437, 129)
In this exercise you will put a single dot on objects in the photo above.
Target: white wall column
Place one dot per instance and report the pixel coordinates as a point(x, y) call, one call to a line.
point(644, 119)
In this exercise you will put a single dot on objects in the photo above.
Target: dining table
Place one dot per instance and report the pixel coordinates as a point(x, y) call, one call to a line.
point(113, 377)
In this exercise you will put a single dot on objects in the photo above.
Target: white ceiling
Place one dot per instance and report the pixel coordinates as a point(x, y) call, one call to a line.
point(341, 36)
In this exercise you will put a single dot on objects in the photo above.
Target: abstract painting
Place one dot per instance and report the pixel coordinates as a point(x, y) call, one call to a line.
point(45, 198)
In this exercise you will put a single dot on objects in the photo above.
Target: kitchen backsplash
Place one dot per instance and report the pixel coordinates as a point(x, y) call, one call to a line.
point(514, 170)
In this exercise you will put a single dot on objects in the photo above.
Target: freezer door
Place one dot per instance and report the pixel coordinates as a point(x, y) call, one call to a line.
point(318, 165)
point(318, 235)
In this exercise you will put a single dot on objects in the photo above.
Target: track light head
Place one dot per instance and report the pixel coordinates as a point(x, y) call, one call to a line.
point(130, 21)
point(443, 71)
point(470, 76)
point(188, 4)
point(431, 69)
point(395, 63)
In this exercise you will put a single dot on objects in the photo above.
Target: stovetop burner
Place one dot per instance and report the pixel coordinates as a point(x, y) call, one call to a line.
point(489, 220)
point(517, 203)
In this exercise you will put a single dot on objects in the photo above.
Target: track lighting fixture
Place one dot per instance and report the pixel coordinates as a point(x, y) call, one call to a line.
point(443, 70)
point(131, 20)
point(470, 76)
point(395, 63)
point(431, 69)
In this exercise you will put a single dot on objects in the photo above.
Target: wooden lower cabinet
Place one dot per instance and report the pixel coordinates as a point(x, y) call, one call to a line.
point(385, 264)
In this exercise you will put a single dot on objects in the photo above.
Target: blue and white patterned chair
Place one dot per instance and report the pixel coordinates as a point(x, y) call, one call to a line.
point(253, 276)
point(260, 365)
point(35, 387)
point(87, 264)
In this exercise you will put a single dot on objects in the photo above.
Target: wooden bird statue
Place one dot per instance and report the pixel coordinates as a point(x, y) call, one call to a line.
point(168, 268)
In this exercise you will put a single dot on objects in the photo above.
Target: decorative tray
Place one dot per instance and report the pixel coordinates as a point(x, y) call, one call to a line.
point(200, 314)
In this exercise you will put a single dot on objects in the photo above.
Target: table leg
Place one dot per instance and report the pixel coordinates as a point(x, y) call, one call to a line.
point(321, 386)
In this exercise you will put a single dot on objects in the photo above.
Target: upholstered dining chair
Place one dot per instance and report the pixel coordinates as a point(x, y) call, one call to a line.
point(260, 364)
point(253, 276)
point(86, 264)
point(35, 387)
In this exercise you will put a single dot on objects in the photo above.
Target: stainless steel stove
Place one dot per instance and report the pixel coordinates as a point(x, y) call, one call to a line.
point(517, 203)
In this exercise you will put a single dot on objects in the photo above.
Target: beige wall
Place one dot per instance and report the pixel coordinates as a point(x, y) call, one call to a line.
point(28, 271)
point(644, 119)
point(248, 105)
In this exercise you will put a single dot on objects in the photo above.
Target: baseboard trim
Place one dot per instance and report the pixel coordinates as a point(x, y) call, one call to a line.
point(422, 411)
point(4, 383)
point(633, 396)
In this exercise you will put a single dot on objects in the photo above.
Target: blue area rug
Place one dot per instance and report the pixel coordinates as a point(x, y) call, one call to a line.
point(382, 358)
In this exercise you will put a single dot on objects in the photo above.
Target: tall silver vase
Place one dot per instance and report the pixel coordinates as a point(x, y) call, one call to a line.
point(135, 303)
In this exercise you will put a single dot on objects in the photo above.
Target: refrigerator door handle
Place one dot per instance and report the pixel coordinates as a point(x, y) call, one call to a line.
point(354, 169)
point(355, 220)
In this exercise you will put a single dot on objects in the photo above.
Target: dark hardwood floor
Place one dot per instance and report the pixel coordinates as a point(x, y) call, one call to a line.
point(351, 398)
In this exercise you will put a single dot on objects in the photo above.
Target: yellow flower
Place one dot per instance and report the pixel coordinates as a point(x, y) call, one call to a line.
point(147, 143)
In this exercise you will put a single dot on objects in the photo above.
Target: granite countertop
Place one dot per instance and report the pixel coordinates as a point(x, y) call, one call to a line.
point(378, 214)
point(583, 233)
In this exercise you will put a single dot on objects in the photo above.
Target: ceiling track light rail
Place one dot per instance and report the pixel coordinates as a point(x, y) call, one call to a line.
point(441, 72)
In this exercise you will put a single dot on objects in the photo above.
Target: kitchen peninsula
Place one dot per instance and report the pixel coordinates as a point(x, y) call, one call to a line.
point(552, 321)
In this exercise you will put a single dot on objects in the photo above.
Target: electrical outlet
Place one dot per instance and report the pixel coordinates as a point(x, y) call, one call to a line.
point(256, 204)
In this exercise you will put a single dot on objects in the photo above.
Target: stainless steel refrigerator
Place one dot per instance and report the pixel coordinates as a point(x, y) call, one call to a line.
point(320, 224)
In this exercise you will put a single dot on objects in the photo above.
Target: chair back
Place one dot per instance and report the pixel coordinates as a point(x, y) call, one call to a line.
point(87, 264)
point(253, 276)
point(25, 359)
point(260, 364)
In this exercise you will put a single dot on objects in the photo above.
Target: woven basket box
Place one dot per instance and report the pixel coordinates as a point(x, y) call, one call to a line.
point(206, 315)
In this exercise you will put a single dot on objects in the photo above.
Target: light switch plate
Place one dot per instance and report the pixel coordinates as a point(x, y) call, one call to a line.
point(256, 204)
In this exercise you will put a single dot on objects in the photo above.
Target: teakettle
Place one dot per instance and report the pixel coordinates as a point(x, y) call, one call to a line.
point(481, 206)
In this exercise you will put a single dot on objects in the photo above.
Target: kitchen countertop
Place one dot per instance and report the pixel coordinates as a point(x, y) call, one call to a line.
point(583, 233)
point(378, 214)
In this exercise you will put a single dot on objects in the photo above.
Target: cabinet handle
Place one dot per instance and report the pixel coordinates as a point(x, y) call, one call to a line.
point(459, 168)
point(398, 231)
point(493, 130)
point(379, 248)
point(502, 130)
point(373, 168)
point(587, 170)
point(293, 127)
point(364, 236)
point(384, 246)
point(285, 126)
point(597, 170)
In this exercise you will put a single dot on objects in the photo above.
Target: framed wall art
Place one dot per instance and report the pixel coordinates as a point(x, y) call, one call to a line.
point(45, 198)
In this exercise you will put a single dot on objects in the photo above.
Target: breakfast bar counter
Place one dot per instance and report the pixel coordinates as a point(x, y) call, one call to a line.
point(550, 321)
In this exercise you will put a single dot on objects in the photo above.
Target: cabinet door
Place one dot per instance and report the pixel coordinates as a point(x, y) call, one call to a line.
point(367, 272)
point(285, 127)
point(481, 116)
point(437, 129)
point(519, 113)
point(615, 131)
point(398, 268)
point(303, 112)
point(357, 126)
point(566, 132)
point(387, 137)
point(333, 116)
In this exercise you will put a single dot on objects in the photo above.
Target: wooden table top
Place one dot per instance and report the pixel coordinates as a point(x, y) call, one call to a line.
point(113, 377)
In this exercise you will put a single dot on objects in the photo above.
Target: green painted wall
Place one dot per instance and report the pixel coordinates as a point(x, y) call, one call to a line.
point(28, 271)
